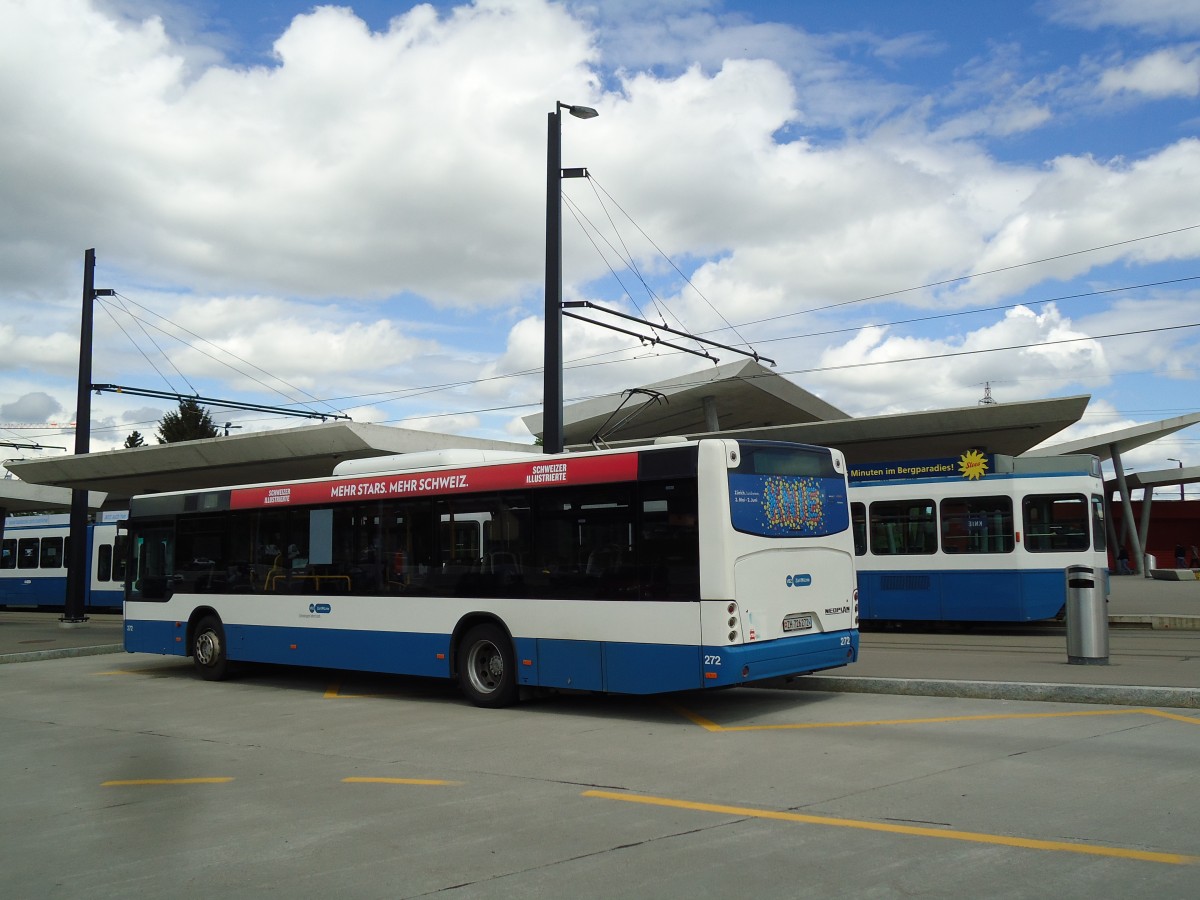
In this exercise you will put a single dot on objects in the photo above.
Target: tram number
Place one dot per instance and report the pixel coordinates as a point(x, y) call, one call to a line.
point(712, 660)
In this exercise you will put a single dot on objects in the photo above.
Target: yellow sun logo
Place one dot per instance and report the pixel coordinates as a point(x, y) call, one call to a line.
point(973, 465)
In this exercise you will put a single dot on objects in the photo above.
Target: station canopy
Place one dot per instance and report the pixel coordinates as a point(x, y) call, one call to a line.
point(1121, 441)
point(23, 497)
point(287, 454)
point(748, 401)
point(742, 400)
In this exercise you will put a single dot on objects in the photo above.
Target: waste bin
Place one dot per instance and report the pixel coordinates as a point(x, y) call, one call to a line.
point(1087, 619)
point(1151, 563)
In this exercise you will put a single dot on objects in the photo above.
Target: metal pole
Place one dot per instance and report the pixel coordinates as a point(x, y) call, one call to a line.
point(1138, 555)
point(552, 402)
point(1180, 461)
point(77, 560)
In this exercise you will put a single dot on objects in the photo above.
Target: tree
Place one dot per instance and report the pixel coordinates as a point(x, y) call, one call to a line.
point(135, 440)
point(191, 423)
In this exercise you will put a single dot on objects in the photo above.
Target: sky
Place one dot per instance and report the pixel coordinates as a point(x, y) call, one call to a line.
point(342, 208)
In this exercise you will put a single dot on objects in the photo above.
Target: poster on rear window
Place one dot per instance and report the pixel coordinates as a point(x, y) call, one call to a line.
point(788, 505)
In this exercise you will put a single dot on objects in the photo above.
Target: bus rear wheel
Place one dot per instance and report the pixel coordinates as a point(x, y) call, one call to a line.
point(208, 649)
point(487, 667)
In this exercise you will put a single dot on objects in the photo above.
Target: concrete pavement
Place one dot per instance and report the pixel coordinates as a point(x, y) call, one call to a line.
point(1154, 653)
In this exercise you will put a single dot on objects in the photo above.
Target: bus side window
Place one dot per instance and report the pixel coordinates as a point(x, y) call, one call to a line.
point(155, 562)
point(8, 556)
point(120, 551)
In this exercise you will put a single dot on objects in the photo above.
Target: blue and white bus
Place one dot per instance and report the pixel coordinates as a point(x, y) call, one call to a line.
point(33, 562)
point(979, 538)
point(665, 568)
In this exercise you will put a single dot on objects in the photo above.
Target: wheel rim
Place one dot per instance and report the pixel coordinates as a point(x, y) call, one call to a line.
point(485, 667)
point(208, 648)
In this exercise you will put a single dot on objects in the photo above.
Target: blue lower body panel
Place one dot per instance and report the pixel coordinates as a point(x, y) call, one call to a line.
point(622, 668)
point(364, 651)
point(798, 655)
point(610, 666)
point(155, 637)
point(981, 595)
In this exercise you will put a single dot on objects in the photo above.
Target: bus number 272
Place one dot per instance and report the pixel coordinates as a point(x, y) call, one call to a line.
point(712, 660)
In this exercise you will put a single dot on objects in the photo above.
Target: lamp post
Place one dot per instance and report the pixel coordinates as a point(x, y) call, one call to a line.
point(73, 613)
point(1180, 461)
point(552, 395)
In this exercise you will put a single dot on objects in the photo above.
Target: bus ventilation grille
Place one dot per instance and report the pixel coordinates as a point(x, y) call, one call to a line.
point(904, 582)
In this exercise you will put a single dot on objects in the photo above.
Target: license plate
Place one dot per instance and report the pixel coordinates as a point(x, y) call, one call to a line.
point(797, 623)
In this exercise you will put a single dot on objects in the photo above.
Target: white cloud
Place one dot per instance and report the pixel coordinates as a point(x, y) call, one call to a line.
point(361, 164)
point(1156, 16)
point(911, 372)
point(312, 211)
point(1171, 72)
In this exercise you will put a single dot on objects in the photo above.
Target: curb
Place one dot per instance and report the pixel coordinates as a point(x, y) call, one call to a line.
point(1157, 622)
point(1110, 694)
point(61, 653)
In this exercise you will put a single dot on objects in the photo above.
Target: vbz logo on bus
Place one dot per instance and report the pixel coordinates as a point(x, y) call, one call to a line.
point(799, 580)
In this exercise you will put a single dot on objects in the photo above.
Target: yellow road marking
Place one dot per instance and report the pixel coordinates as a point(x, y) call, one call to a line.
point(141, 781)
point(942, 833)
point(709, 725)
point(334, 692)
point(1191, 720)
point(420, 781)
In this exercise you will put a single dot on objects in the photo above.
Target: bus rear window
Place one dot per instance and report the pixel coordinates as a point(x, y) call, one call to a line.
point(779, 491)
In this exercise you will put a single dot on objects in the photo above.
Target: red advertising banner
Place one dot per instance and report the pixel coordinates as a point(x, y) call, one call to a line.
point(558, 472)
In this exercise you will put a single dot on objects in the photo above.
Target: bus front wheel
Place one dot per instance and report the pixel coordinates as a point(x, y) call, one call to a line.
point(487, 667)
point(208, 649)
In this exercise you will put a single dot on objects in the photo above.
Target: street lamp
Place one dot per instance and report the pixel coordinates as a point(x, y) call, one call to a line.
point(552, 394)
point(1180, 461)
point(73, 613)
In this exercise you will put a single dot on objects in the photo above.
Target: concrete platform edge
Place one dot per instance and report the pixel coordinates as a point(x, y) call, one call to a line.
point(61, 653)
point(1111, 694)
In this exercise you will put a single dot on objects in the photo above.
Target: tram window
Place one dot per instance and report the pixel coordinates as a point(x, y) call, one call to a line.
point(977, 525)
point(8, 556)
point(104, 562)
point(1099, 532)
point(52, 553)
point(27, 553)
point(858, 522)
point(903, 527)
point(1055, 523)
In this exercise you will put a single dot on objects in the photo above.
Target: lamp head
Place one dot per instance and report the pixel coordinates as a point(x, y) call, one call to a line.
point(579, 112)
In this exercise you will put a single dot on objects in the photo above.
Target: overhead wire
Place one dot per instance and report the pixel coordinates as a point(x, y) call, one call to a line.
point(580, 362)
point(311, 398)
